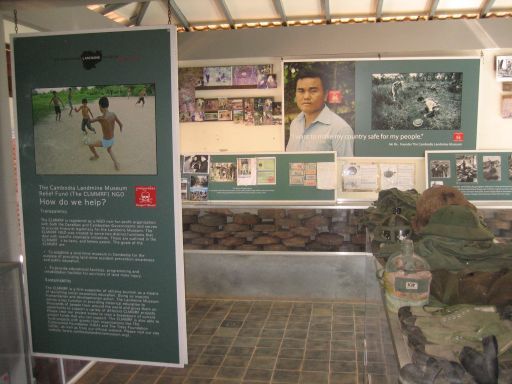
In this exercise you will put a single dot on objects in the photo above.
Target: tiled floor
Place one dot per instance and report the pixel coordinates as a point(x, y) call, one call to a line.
point(272, 342)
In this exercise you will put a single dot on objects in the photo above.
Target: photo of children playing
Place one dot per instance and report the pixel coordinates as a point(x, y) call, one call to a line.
point(105, 135)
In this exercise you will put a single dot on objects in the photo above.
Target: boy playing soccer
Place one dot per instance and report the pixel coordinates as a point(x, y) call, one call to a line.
point(57, 102)
point(107, 121)
point(86, 111)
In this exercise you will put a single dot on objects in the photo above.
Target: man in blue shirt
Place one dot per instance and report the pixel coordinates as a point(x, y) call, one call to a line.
point(317, 128)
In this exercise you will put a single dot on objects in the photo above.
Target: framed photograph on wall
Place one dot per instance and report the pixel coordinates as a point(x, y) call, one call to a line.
point(217, 76)
point(504, 68)
point(507, 87)
point(506, 107)
point(245, 75)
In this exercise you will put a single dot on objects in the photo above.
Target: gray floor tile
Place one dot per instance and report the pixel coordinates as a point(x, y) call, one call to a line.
point(263, 341)
point(281, 376)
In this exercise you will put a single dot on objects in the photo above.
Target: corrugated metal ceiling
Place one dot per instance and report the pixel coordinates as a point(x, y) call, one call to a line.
point(192, 15)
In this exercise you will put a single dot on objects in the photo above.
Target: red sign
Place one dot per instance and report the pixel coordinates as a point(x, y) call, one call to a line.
point(458, 137)
point(334, 96)
point(145, 196)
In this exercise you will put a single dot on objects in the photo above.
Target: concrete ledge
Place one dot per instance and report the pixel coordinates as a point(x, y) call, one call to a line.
point(280, 275)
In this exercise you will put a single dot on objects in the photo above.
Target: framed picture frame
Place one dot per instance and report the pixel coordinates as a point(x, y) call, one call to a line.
point(503, 68)
point(506, 106)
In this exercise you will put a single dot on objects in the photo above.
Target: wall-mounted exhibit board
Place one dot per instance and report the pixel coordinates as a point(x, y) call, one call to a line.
point(231, 136)
point(260, 177)
point(362, 178)
point(98, 155)
point(386, 107)
point(480, 175)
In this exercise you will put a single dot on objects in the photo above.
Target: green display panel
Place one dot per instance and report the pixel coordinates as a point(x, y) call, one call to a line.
point(480, 175)
point(100, 208)
point(405, 107)
point(260, 177)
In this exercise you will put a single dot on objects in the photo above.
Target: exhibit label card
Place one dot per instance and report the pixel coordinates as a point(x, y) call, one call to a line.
point(99, 170)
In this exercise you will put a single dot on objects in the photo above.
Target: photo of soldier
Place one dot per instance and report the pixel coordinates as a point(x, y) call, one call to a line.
point(440, 168)
point(492, 168)
point(466, 168)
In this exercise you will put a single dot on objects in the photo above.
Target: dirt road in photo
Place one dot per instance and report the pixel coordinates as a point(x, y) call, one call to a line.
point(60, 147)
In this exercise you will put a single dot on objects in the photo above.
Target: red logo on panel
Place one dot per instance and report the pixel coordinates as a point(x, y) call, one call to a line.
point(145, 196)
point(458, 137)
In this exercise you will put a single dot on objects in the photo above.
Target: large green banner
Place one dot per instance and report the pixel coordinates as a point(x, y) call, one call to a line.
point(383, 108)
point(101, 211)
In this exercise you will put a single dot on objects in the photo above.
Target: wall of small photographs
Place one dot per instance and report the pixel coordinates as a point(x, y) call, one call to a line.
point(242, 110)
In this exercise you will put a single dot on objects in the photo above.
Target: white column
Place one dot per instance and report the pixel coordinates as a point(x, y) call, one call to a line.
point(9, 237)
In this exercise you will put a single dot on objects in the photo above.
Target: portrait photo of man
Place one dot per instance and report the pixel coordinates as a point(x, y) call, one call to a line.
point(317, 126)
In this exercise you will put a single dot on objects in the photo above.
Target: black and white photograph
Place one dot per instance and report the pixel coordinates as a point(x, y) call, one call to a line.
point(198, 182)
point(466, 168)
point(440, 169)
point(223, 172)
point(196, 163)
point(504, 68)
point(492, 168)
point(416, 101)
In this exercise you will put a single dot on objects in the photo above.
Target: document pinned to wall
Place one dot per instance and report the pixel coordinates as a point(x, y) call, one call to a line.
point(326, 175)
point(400, 176)
point(360, 177)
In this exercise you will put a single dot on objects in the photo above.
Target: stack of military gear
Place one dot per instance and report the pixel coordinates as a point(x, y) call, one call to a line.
point(458, 344)
point(455, 344)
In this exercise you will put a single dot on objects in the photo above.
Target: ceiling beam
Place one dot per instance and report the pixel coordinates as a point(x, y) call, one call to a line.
point(432, 9)
point(378, 10)
point(486, 8)
point(111, 7)
point(224, 8)
point(278, 5)
point(177, 12)
point(139, 13)
point(327, 11)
